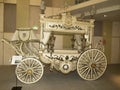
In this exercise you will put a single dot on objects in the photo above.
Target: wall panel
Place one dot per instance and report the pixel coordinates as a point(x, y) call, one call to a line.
point(58, 3)
point(1, 0)
point(34, 16)
point(35, 2)
point(98, 28)
point(1, 49)
point(1, 16)
point(9, 18)
point(52, 11)
point(115, 58)
point(10, 1)
point(107, 36)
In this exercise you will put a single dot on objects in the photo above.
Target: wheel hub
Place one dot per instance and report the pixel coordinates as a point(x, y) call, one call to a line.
point(29, 71)
point(93, 65)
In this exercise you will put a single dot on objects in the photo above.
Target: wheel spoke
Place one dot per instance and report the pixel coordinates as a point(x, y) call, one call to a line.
point(84, 71)
point(31, 79)
point(87, 55)
point(23, 75)
point(92, 55)
point(96, 74)
point(36, 73)
point(21, 71)
point(84, 59)
point(26, 78)
point(83, 67)
point(36, 66)
point(86, 76)
point(97, 53)
point(91, 73)
point(21, 68)
point(33, 63)
point(99, 58)
point(34, 76)
point(23, 63)
point(29, 63)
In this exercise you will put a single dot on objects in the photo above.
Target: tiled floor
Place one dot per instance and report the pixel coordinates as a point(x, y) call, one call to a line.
point(57, 81)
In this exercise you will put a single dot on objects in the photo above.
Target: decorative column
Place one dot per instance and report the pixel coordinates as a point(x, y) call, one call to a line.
point(1, 31)
point(22, 16)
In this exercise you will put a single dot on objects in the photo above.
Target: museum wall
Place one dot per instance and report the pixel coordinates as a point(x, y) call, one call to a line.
point(110, 31)
point(9, 29)
point(1, 17)
point(35, 2)
point(115, 50)
point(9, 17)
point(58, 3)
point(1, 0)
point(34, 16)
point(1, 31)
point(107, 36)
point(22, 13)
point(8, 52)
point(1, 49)
point(98, 28)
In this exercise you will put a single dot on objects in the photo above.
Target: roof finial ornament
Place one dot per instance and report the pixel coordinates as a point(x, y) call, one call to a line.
point(66, 5)
point(42, 7)
point(93, 12)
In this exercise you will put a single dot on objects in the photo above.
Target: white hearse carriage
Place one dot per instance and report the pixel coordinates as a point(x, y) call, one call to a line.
point(90, 62)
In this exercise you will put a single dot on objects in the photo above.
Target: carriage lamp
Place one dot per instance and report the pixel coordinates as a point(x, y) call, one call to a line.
point(65, 67)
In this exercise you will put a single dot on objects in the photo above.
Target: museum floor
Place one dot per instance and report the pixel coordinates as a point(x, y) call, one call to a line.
point(57, 81)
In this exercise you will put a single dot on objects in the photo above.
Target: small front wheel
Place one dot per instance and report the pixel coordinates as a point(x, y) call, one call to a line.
point(29, 71)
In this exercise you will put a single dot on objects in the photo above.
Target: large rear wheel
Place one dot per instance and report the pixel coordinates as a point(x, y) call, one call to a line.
point(91, 64)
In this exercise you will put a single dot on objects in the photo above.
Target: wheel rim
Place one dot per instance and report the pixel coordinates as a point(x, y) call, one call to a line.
point(30, 70)
point(91, 64)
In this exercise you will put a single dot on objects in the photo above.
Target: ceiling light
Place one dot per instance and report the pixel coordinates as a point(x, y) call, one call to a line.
point(104, 15)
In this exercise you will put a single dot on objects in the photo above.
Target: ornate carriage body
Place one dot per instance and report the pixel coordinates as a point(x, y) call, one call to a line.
point(82, 31)
point(89, 62)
